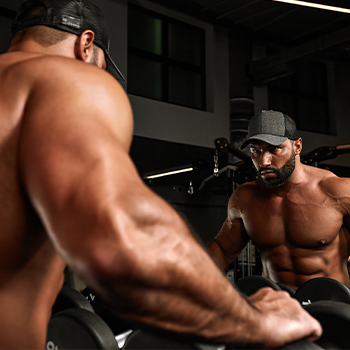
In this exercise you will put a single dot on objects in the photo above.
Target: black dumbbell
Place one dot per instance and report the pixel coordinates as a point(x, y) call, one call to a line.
point(117, 324)
point(334, 317)
point(143, 340)
point(76, 328)
point(69, 298)
point(75, 325)
point(287, 288)
point(322, 288)
point(251, 284)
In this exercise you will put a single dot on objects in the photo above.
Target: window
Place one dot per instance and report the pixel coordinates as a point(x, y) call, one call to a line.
point(166, 59)
point(304, 97)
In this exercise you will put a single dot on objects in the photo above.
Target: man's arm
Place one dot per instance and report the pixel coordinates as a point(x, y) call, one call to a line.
point(123, 240)
point(340, 188)
point(232, 237)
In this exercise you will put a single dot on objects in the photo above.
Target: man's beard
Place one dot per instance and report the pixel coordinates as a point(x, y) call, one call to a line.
point(283, 174)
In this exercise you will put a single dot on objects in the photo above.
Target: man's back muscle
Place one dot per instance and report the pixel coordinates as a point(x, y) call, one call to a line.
point(31, 271)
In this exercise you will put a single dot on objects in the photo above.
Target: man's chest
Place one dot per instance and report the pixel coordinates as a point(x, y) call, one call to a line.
point(296, 220)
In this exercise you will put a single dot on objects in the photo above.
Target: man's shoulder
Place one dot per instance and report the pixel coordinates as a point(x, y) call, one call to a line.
point(57, 78)
point(44, 68)
point(331, 184)
point(242, 194)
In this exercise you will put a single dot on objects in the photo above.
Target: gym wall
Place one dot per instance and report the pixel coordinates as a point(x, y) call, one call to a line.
point(163, 121)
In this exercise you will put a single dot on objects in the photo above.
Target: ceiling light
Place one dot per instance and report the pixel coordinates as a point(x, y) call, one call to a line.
point(168, 173)
point(317, 6)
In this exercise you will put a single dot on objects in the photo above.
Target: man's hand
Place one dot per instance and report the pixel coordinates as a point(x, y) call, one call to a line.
point(282, 319)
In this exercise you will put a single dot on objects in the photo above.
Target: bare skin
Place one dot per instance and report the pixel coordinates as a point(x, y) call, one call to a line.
point(301, 228)
point(71, 195)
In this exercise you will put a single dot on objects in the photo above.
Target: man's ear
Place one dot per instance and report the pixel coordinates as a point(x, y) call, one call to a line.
point(84, 45)
point(298, 146)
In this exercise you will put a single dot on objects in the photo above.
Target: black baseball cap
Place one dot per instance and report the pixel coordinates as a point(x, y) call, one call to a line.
point(272, 127)
point(72, 16)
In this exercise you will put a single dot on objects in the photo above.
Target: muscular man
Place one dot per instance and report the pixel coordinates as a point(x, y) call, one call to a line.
point(297, 216)
point(71, 195)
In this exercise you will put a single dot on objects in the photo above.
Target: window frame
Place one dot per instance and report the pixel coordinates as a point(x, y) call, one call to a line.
point(167, 62)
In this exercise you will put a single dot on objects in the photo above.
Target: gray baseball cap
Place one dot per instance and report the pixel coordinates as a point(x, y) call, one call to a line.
point(272, 127)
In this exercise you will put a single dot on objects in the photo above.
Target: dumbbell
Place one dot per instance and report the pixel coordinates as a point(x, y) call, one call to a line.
point(75, 325)
point(333, 313)
point(334, 317)
point(76, 328)
point(143, 340)
point(322, 288)
point(70, 298)
point(146, 340)
point(117, 324)
point(287, 288)
point(251, 284)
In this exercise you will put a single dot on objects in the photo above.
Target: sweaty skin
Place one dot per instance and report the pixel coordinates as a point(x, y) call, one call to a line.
point(71, 195)
point(301, 228)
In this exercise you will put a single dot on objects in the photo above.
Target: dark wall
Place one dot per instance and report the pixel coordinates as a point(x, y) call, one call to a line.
point(206, 209)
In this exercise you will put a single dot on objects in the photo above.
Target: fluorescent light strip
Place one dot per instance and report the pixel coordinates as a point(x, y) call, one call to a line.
point(169, 173)
point(317, 6)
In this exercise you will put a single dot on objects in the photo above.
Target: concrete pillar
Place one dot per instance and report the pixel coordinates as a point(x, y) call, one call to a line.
point(241, 87)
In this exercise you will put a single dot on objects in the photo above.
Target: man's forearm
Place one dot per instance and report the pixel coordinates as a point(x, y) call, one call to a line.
point(155, 272)
point(190, 297)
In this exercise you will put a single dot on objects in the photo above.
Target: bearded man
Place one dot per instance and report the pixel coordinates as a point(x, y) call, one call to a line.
point(296, 215)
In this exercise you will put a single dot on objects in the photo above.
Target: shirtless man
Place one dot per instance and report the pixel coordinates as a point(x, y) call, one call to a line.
point(296, 215)
point(71, 195)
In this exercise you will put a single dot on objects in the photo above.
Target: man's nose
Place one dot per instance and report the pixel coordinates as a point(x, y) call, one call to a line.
point(265, 159)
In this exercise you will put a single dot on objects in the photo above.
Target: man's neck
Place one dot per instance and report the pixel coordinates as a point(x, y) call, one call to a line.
point(64, 48)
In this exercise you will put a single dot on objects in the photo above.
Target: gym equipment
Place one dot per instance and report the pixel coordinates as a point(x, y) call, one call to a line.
point(77, 328)
point(287, 288)
point(334, 317)
point(322, 288)
point(117, 324)
point(324, 153)
point(143, 340)
point(250, 284)
point(69, 298)
point(75, 325)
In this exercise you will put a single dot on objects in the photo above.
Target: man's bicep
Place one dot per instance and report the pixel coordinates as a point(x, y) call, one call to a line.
point(232, 237)
point(229, 242)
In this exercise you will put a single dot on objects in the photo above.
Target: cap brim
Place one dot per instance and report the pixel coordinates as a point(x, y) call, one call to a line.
point(271, 139)
point(113, 69)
